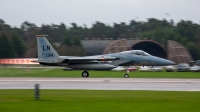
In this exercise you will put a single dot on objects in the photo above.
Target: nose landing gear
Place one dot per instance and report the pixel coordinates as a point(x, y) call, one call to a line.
point(126, 75)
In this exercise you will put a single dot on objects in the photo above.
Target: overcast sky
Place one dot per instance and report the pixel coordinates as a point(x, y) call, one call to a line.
point(15, 12)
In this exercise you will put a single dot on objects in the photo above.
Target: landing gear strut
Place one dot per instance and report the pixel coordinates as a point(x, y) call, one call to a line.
point(85, 74)
point(126, 75)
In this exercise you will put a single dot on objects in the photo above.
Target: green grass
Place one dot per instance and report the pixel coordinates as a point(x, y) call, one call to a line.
point(99, 101)
point(93, 74)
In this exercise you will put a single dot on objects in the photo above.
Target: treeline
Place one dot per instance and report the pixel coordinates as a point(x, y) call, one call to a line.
point(185, 32)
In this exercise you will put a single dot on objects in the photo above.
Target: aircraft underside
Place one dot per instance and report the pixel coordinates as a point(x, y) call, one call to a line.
point(86, 67)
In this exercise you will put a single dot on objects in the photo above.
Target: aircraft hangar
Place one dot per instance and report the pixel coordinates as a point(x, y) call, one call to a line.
point(173, 51)
point(151, 47)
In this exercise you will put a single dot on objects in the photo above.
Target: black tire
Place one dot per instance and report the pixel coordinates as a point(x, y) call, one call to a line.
point(126, 76)
point(85, 74)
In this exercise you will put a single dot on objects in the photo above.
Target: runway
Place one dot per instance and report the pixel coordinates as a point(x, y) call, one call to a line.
point(101, 83)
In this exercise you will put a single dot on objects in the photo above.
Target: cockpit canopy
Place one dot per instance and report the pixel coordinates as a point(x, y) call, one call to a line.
point(137, 52)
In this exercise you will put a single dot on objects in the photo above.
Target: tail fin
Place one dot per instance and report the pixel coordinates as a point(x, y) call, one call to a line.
point(45, 49)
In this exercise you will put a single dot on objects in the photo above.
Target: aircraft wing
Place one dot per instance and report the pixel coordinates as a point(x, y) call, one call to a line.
point(76, 59)
point(87, 59)
point(91, 58)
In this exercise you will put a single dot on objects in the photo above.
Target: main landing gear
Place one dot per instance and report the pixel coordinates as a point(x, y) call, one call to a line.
point(126, 75)
point(85, 74)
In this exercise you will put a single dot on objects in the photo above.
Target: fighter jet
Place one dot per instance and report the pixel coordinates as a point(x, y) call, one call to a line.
point(47, 55)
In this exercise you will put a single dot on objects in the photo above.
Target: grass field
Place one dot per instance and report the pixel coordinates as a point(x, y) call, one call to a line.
point(99, 101)
point(93, 74)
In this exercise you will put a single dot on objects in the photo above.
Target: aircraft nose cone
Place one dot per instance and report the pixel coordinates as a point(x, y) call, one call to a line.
point(172, 63)
point(164, 62)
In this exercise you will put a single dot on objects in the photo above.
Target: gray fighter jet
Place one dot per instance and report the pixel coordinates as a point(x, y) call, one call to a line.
point(48, 56)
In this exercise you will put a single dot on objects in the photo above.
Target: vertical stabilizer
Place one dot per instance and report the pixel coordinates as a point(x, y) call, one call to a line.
point(46, 52)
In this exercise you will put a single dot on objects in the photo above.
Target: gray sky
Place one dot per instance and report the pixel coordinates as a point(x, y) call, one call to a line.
point(15, 12)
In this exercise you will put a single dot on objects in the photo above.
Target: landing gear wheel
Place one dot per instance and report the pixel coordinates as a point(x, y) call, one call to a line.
point(85, 74)
point(126, 76)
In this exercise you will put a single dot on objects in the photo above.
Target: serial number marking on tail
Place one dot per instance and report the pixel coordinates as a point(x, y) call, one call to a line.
point(49, 55)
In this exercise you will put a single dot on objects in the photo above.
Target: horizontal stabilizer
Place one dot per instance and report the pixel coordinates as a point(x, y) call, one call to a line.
point(44, 61)
point(39, 61)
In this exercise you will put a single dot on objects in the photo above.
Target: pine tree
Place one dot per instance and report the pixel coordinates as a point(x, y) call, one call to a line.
point(6, 49)
point(67, 41)
point(18, 45)
point(77, 42)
